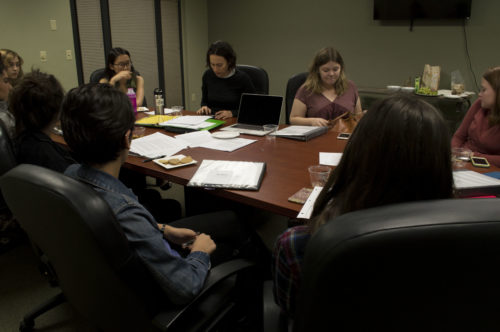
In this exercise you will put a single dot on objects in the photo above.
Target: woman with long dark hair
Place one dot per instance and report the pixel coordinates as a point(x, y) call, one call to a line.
point(120, 73)
point(399, 152)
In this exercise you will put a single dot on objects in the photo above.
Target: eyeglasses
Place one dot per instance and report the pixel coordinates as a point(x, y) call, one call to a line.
point(123, 64)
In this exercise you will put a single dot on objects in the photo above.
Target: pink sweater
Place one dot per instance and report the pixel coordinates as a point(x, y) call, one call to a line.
point(476, 134)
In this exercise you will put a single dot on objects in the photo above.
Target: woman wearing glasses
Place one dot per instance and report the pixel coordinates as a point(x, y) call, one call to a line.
point(121, 74)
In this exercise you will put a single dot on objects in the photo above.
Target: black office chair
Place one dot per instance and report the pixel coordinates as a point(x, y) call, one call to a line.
point(7, 156)
point(97, 75)
point(99, 274)
point(259, 77)
point(423, 266)
point(292, 86)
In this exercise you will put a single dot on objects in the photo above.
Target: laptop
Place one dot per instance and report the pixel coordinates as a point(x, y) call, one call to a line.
point(255, 111)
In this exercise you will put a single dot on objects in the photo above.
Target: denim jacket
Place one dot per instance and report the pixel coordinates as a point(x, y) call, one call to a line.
point(181, 278)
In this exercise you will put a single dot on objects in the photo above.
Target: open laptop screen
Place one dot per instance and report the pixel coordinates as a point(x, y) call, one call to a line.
point(259, 110)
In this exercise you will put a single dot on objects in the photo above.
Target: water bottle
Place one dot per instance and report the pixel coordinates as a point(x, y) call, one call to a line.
point(159, 102)
point(133, 99)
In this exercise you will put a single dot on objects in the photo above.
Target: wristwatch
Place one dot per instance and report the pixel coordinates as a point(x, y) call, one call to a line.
point(162, 228)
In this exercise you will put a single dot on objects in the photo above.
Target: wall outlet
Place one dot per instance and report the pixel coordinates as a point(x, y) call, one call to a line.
point(193, 97)
point(43, 56)
point(53, 25)
point(69, 55)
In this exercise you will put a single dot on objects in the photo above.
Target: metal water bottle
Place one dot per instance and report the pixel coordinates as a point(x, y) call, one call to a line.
point(159, 101)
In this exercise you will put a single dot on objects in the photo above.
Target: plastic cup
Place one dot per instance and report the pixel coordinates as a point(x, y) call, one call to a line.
point(271, 129)
point(138, 132)
point(459, 156)
point(319, 175)
point(177, 110)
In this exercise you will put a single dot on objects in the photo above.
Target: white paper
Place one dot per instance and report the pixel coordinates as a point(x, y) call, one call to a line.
point(228, 145)
point(329, 158)
point(307, 208)
point(471, 179)
point(228, 174)
point(156, 144)
point(189, 120)
point(205, 140)
point(195, 138)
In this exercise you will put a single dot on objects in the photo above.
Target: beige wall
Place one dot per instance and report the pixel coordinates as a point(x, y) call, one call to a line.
point(283, 35)
point(195, 43)
point(24, 26)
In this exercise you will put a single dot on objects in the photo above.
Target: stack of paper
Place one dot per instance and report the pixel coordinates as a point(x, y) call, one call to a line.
point(194, 122)
point(156, 144)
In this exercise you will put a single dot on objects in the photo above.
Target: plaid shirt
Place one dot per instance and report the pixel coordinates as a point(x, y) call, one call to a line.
point(287, 260)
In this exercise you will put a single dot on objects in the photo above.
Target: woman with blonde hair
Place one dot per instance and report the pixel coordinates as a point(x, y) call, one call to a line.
point(13, 64)
point(327, 93)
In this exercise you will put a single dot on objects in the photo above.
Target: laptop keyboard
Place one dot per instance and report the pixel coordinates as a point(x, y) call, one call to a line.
point(246, 126)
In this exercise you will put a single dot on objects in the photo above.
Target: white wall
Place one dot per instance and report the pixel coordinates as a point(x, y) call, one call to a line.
point(25, 28)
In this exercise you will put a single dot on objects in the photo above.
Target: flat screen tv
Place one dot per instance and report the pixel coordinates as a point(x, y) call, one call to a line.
point(421, 9)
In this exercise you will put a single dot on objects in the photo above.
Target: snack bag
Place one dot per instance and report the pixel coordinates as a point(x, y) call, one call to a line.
point(431, 77)
point(457, 83)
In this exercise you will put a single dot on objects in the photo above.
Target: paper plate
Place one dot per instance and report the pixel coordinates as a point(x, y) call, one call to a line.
point(225, 134)
point(169, 166)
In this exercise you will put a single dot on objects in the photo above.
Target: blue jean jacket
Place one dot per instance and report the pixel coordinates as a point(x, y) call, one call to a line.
point(181, 278)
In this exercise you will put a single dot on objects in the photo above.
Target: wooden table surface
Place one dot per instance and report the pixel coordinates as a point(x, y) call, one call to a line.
point(286, 161)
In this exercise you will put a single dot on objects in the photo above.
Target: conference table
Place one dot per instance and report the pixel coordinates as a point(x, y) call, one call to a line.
point(287, 163)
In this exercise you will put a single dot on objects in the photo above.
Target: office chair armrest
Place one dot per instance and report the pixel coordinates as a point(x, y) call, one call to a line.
point(218, 274)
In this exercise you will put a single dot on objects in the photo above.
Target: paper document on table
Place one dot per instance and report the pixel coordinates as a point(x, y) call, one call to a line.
point(329, 158)
point(307, 209)
point(156, 144)
point(228, 145)
point(189, 120)
point(195, 138)
point(471, 179)
point(245, 175)
point(205, 140)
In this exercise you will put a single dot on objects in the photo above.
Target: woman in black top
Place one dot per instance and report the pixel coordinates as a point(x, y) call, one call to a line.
point(35, 103)
point(223, 84)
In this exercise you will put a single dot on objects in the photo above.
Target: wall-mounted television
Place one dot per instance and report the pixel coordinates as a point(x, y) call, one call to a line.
point(421, 9)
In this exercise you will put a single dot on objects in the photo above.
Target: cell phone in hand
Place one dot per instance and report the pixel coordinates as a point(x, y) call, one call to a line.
point(343, 136)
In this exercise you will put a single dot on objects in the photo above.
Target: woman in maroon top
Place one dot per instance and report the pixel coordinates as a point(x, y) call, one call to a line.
point(480, 129)
point(326, 94)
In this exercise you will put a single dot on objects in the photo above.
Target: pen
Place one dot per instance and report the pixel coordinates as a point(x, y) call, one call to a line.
point(151, 159)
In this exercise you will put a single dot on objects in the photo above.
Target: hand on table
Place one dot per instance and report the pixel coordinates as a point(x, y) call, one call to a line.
point(204, 110)
point(222, 115)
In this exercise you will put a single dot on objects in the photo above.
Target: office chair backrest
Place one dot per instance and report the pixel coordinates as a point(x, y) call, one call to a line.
point(423, 266)
point(292, 86)
point(7, 154)
point(78, 232)
point(259, 77)
point(97, 75)
point(7, 157)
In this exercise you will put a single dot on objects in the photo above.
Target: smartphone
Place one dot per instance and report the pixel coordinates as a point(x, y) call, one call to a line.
point(343, 136)
point(479, 161)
